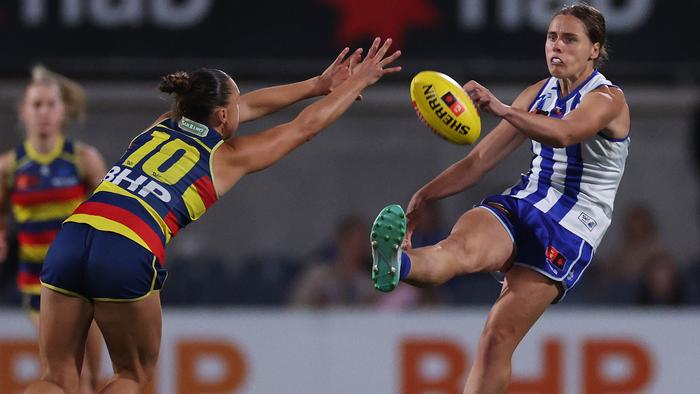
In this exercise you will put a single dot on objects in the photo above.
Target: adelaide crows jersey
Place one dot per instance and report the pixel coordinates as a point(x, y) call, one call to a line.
point(162, 183)
point(44, 191)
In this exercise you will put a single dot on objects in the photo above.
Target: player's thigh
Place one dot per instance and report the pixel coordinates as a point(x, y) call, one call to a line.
point(482, 241)
point(132, 332)
point(63, 329)
point(525, 296)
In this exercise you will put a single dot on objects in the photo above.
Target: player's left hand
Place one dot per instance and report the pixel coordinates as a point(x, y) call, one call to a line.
point(340, 70)
point(484, 100)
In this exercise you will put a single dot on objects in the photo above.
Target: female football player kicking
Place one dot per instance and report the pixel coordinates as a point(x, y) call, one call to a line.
point(542, 232)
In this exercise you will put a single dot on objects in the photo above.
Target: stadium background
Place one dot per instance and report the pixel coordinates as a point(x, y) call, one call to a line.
point(244, 258)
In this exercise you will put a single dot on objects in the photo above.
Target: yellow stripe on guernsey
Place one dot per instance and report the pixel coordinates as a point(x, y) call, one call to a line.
point(48, 211)
point(31, 289)
point(44, 158)
point(193, 202)
point(33, 253)
point(110, 187)
point(104, 224)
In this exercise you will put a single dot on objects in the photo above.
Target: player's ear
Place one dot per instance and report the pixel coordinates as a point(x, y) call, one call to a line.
point(221, 114)
point(595, 51)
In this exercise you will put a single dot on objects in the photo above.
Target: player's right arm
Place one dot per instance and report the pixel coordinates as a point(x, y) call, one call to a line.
point(491, 150)
point(5, 168)
point(261, 102)
point(245, 154)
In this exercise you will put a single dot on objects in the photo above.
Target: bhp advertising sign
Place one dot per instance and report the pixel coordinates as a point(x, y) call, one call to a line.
point(232, 351)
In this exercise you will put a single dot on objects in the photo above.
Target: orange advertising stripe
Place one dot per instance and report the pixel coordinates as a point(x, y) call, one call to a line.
point(36, 238)
point(49, 195)
point(122, 216)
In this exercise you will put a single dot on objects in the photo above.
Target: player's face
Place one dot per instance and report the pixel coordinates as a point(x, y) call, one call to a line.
point(232, 118)
point(42, 111)
point(568, 49)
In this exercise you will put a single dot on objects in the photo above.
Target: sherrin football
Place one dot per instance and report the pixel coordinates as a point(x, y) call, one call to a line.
point(445, 108)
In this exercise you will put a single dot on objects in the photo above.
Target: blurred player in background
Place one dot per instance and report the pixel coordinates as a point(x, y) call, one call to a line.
point(42, 182)
point(541, 233)
point(107, 261)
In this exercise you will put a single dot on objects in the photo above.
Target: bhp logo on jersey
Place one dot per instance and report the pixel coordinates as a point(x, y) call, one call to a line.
point(455, 106)
point(120, 177)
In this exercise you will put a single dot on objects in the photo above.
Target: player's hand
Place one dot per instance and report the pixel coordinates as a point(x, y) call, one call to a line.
point(484, 100)
point(374, 65)
point(339, 71)
point(414, 213)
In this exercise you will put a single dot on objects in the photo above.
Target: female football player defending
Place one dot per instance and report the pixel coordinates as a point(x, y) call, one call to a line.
point(42, 181)
point(542, 232)
point(107, 260)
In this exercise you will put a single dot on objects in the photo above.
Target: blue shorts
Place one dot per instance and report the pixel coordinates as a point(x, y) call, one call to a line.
point(541, 243)
point(100, 265)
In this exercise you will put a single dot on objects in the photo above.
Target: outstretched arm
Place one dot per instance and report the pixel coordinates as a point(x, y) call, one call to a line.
point(246, 154)
point(494, 147)
point(596, 111)
point(264, 101)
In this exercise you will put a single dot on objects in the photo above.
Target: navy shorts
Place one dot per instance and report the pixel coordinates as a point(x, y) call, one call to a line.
point(541, 243)
point(100, 265)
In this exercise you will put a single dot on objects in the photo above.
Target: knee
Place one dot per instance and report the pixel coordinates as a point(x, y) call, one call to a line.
point(463, 257)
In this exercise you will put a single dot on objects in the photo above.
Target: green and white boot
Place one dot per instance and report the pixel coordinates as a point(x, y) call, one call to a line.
point(387, 234)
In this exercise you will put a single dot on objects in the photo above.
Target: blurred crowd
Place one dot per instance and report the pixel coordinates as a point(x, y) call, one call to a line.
point(638, 270)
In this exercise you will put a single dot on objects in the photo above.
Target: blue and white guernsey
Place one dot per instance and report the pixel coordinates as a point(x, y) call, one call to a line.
point(575, 185)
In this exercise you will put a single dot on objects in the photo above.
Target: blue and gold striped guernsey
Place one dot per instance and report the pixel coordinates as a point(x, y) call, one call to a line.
point(44, 191)
point(576, 185)
point(162, 183)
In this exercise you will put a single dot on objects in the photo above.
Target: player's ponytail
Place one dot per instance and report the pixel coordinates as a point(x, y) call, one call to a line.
point(72, 94)
point(197, 93)
point(177, 82)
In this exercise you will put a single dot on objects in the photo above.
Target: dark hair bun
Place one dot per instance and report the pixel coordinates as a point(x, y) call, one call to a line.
point(178, 82)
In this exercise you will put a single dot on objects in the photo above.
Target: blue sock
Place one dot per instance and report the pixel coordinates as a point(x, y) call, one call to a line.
point(405, 266)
